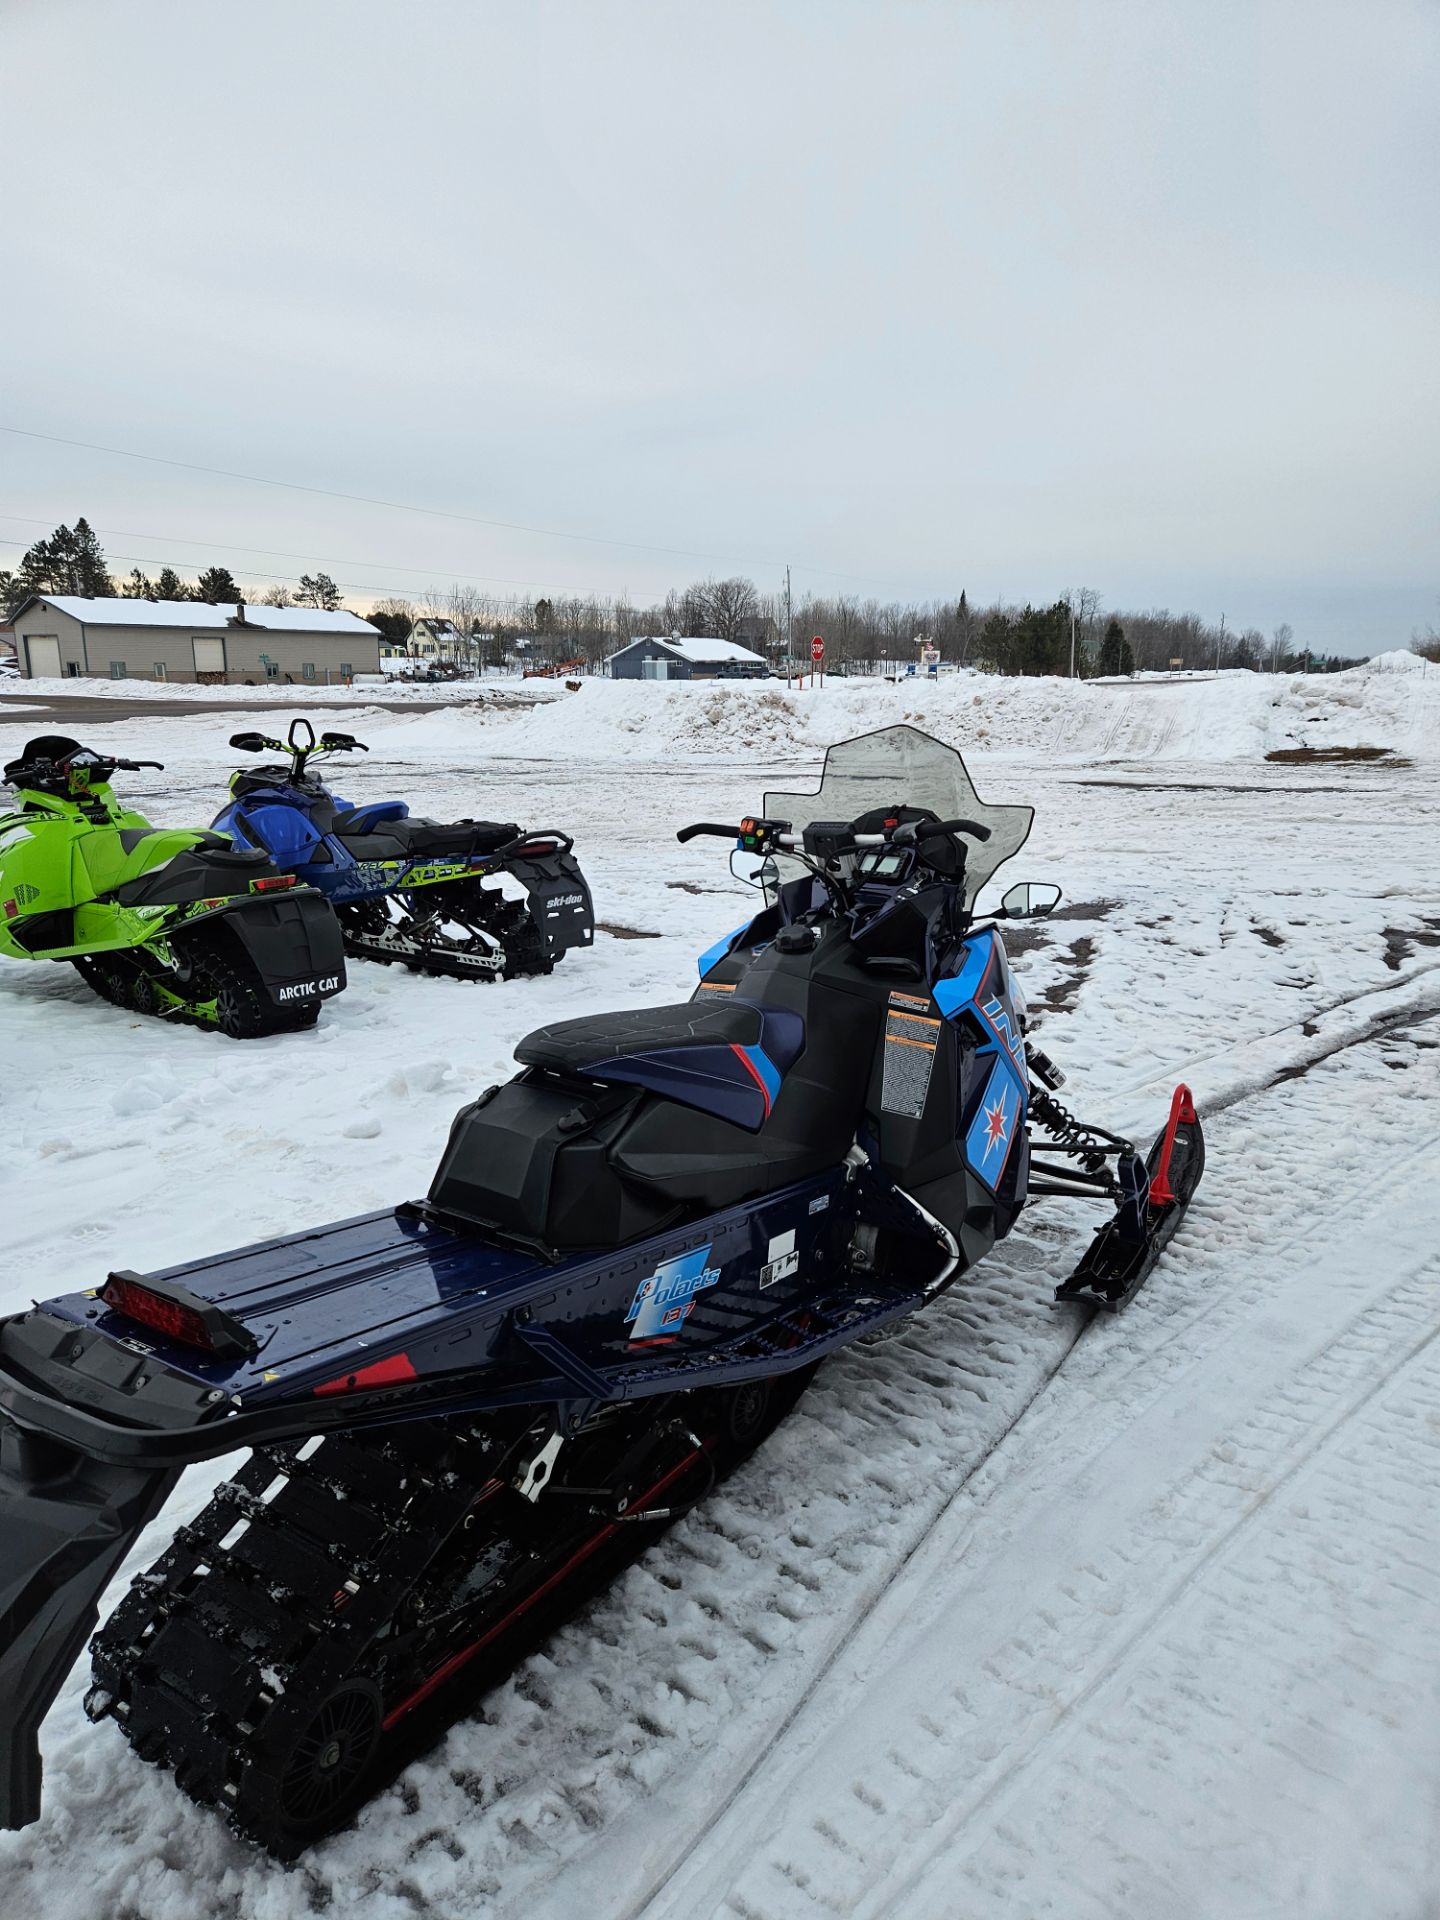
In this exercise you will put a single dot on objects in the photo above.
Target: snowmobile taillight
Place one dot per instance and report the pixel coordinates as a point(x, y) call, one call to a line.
point(274, 884)
point(180, 1315)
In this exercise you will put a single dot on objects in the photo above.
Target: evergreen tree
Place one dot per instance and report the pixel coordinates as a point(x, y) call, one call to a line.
point(544, 617)
point(217, 584)
point(88, 563)
point(318, 590)
point(169, 586)
point(70, 561)
point(997, 642)
point(137, 587)
point(1042, 640)
point(12, 592)
point(1112, 647)
point(393, 621)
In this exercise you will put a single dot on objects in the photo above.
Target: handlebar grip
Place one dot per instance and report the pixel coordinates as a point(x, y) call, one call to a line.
point(707, 826)
point(971, 827)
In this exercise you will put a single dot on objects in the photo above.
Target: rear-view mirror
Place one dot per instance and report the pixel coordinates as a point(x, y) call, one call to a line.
point(756, 870)
point(1030, 900)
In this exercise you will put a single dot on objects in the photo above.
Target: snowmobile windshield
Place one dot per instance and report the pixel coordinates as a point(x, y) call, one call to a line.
point(902, 767)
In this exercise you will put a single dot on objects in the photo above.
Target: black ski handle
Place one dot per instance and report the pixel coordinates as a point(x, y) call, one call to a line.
point(134, 766)
point(707, 826)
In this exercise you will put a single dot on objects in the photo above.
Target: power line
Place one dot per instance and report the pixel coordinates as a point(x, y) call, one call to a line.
point(434, 513)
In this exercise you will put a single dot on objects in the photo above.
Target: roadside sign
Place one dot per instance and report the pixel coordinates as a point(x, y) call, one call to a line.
point(817, 648)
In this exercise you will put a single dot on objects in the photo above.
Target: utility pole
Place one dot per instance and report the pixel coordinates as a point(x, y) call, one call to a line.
point(1072, 642)
point(1219, 643)
point(789, 650)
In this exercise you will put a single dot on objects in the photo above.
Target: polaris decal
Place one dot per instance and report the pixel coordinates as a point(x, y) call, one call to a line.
point(664, 1298)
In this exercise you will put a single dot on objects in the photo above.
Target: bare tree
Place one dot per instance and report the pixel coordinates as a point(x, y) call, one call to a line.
point(721, 605)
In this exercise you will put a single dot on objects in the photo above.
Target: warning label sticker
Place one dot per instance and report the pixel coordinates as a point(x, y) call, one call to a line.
point(911, 1034)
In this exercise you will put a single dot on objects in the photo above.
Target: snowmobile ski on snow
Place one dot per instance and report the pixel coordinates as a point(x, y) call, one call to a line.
point(632, 1258)
point(408, 890)
point(163, 921)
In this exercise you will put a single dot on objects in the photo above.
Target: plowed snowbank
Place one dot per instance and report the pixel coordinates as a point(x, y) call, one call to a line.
point(1392, 702)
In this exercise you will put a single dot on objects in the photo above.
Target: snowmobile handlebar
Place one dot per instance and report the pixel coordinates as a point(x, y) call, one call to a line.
point(707, 826)
point(972, 828)
point(327, 743)
point(912, 832)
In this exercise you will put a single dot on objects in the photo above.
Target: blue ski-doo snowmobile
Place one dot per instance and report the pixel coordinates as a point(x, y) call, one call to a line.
point(466, 1410)
point(408, 890)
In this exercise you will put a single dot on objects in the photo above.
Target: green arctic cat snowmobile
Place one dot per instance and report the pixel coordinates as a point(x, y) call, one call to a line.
point(174, 922)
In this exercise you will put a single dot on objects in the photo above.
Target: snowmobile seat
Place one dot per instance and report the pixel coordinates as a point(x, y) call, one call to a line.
point(366, 819)
point(133, 838)
point(216, 866)
point(415, 839)
point(723, 1059)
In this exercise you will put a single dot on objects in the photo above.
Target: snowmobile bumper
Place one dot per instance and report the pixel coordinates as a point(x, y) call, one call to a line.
point(295, 944)
point(68, 1518)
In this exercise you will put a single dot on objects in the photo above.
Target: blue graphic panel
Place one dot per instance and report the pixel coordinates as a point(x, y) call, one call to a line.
point(718, 952)
point(992, 1131)
point(663, 1300)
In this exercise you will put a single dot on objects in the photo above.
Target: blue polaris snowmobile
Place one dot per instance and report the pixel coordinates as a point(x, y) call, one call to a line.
point(410, 890)
point(466, 1410)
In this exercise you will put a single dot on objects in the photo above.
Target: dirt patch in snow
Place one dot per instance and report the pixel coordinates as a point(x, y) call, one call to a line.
point(1059, 997)
point(1305, 756)
point(1401, 942)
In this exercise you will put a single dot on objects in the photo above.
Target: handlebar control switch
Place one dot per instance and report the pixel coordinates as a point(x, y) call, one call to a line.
point(759, 836)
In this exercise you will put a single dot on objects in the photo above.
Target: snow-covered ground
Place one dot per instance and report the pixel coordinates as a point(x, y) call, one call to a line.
point(1016, 1615)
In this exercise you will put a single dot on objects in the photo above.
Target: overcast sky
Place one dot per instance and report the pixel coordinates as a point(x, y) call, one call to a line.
point(1015, 298)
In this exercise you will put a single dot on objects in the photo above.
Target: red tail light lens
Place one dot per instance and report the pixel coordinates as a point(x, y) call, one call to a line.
point(274, 885)
point(178, 1314)
point(177, 1323)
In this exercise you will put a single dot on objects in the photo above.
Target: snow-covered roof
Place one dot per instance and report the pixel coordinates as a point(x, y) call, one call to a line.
point(699, 650)
point(197, 613)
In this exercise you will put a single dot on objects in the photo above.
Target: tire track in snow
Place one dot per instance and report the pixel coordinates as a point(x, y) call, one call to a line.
point(1039, 1408)
point(1371, 1356)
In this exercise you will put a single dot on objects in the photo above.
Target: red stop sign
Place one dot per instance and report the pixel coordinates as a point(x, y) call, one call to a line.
point(817, 648)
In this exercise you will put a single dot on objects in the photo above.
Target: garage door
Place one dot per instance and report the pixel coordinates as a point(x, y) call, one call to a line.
point(209, 656)
point(44, 657)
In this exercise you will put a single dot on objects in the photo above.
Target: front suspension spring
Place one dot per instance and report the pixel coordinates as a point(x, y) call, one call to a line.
point(1091, 1146)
